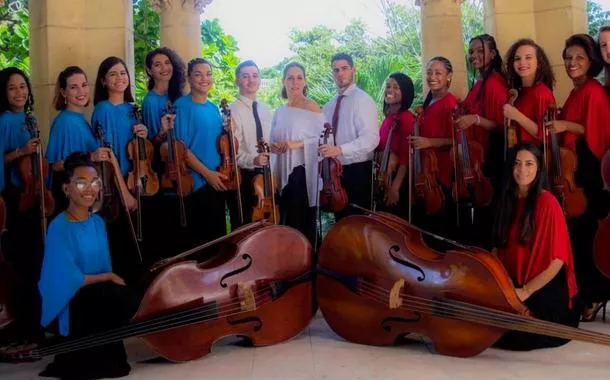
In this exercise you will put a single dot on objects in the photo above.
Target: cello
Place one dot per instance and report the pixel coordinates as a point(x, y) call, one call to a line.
point(242, 284)
point(141, 180)
point(265, 188)
point(173, 153)
point(333, 195)
point(34, 169)
point(601, 243)
point(378, 281)
point(561, 164)
point(468, 158)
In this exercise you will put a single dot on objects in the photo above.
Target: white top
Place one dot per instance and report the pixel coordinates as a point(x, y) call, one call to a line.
point(296, 124)
point(244, 126)
point(357, 130)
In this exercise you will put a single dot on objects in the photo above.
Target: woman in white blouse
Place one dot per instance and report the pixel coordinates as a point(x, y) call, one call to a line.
point(295, 133)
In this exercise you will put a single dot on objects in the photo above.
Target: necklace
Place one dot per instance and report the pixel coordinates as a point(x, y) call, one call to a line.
point(75, 219)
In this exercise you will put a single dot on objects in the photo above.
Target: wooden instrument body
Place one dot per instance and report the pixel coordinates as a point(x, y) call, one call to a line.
point(332, 195)
point(386, 164)
point(601, 242)
point(248, 260)
point(372, 255)
point(227, 144)
point(267, 209)
point(427, 188)
point(107, 205)
point(173, 154)
point(470, 183)
point(572, 197)
point(141, 153)
point(28, 167)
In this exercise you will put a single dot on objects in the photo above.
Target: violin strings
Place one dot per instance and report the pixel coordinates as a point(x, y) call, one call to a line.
point(220, 310)
point(481, 314)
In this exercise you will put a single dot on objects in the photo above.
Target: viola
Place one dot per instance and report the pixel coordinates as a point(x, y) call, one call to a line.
point(468, 158)
point(107, 204)
point(601, 243)
point(386, 163)
point(265, 187)
point(238, 285)
point(423, 170)
point(176, 176)
point(8, 276)
point(510, 131)
point(378, 281)
point(561, 164)
point(33, 170)
point(332, 196)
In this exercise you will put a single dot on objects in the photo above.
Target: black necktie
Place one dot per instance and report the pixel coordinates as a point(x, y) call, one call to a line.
point(257, 120)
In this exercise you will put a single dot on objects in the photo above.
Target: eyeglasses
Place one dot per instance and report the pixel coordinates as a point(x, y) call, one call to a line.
point(82, 185)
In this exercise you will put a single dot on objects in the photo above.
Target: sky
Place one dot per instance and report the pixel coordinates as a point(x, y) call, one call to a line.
point(261, 27)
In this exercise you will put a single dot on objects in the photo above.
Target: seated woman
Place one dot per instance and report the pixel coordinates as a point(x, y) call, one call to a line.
point(531, 237)
point(80, 293)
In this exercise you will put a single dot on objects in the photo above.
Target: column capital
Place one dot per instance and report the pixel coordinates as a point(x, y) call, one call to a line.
point(162, 5)
point(419, 3)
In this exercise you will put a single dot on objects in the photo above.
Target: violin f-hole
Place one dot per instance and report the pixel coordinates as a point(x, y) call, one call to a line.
point(245, 257)
point(395, 249)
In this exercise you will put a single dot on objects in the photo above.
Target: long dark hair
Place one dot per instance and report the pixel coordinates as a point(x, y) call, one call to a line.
point(286, 68)
point(448, 67)
point(406, 90)
point(587, 43)
point(494, 66)
point(178, 79)
point(505, 213)
point(5, 76)
point(101, 92)
point(605, 28)
point(544, 71)
point(59, 102)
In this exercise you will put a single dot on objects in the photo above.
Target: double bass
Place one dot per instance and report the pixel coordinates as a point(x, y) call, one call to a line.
point(265, 187)
point(378, 281)
point(332, 196)
point(33, 170)
point(229, 146)
point(468, 158)
point(601, 243)
point(561, 164)
point(237, 285)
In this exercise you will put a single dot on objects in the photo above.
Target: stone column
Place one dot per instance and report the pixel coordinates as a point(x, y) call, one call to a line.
point(441, 33)
point(181, 25)
point(75, 32)
point(509, 20)
point(556, 21)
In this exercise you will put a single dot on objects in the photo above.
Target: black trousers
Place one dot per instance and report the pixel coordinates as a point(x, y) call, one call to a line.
point(357, 181)
point(96, 308)
point(206, 216)
point(294, 206)
point(248, 199)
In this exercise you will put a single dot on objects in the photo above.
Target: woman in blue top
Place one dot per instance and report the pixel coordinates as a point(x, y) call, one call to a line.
point(114, 114)
point(22, 243)
point(198, 124)
point(70, 131)
point(81, 295)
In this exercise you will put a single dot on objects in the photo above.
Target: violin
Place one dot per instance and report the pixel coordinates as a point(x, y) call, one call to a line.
point(265, 188)
point(510, 132)
point(386, 163)
point(378, 281)
point(229, 146)
point(176, 175)
point(601, 243)
point(34, 169)
point(141, 180)
point(8, 276)
point(332, 195)
point(468, 158)
point(246, 284)
point(107, 204)
point(561, 164)
point(423, 170)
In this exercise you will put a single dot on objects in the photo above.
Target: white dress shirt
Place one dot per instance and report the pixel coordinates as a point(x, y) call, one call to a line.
point(245, 129)
point(357, 130)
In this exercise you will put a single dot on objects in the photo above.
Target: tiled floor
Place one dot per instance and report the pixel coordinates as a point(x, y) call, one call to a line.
point(318, 354)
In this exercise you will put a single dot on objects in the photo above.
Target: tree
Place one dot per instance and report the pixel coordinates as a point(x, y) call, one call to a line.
point(596, 17)
point(15, 36)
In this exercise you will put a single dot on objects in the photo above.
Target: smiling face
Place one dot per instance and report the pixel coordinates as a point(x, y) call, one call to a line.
point(17, 92)
point(77, 91)
point(479, 55)
point(161, 68)
point(201, 79)
point(393, 95)
point(249, 80)
point(437, 76)
point(526, 62)
point(84, 187)
point(294, 81)
point(604, 45)
point(577, 62)
point(116, 79)
point(343, 73)
point(525, 169)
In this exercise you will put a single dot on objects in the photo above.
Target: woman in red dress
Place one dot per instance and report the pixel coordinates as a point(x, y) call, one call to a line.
point(529, 71)
point(584, 129)
point(399, 93)
point(532, 241)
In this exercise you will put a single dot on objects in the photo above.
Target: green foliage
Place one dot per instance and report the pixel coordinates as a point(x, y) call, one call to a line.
point(220, 49)
point(596, 17)
point(145, 39)
point(15, 38)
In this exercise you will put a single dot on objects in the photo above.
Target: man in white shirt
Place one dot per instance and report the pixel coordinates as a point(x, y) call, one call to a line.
point(251, 121)
point(353, 115)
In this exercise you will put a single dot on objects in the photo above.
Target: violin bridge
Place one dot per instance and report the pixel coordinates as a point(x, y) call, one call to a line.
point(395, 300)
point(247, 301)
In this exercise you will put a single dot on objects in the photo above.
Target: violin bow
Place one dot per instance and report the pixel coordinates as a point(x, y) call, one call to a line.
point(171, 146)
point(127, 213)
point(138, 184)
point(455, 113)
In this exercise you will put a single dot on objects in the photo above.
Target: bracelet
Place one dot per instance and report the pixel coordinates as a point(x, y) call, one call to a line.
point(477, 121)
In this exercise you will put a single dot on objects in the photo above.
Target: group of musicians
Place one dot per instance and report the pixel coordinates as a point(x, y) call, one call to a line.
point(476, 171)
